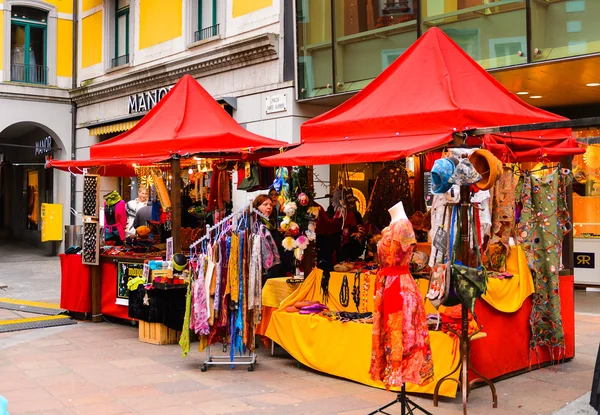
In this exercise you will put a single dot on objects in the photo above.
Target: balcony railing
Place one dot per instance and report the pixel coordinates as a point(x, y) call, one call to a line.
point(206, 33)
point(30, 74)
point(121, 60)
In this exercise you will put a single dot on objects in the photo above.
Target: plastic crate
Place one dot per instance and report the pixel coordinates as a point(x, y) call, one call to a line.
point(157, 333)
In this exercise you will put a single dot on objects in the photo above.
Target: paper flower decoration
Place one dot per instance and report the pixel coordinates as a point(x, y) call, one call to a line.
point(311, 235)
point(312, 226)
point(294, 229)
point(290, 208)
point(302, 242)
point(298, 253)
point(314, 211)
point(288, 243)
point(303, 199)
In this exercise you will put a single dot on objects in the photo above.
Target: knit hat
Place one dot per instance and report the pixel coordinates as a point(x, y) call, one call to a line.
point(112, 198)
point(488, 166)
point(464, 174)
point(441, 172)
point(179, 262)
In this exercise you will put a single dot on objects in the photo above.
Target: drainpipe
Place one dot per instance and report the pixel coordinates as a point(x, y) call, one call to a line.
point(73, 103)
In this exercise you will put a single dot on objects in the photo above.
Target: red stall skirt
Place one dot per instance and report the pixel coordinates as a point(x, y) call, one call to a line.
point(506, 347)
point(75, 293)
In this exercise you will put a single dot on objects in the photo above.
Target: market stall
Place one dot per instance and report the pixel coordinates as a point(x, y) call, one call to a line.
point(400, 114)
point(186, 135)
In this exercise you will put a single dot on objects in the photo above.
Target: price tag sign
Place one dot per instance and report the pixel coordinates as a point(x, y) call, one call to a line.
point(440, 241)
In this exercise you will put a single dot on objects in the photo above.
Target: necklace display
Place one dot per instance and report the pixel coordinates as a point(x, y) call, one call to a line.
point(365, 293)
point(345, 292)
point(356, 291)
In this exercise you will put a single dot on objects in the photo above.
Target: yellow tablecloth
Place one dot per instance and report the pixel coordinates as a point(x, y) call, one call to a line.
point(276, 290)
point(344, 349)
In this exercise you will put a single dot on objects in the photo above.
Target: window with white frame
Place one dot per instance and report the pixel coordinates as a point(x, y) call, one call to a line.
point(204, 19)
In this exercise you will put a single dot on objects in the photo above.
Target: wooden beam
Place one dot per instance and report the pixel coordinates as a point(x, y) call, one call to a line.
point(176, 203)
point(579, 122)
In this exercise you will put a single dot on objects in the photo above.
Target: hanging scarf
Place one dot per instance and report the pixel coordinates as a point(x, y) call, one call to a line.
point(199, 323)
point(233, 275)
point(184, 340)
point(254, 280)
point(112, 198)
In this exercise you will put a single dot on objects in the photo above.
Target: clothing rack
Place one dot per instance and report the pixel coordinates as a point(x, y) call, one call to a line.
point(221, 360)
point(464, 361)
point(210, 229)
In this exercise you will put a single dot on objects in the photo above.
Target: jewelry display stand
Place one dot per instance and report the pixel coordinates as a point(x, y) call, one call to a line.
point(464, 362)
point(407, 406)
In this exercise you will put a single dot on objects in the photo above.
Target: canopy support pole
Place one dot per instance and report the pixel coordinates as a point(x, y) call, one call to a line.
point(176, 203)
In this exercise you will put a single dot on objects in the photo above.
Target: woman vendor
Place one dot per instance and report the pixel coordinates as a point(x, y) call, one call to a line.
point(265, 206)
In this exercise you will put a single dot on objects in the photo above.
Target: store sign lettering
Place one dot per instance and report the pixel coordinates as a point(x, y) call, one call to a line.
point(585, 259)
point(43, 146)
point(146, 100)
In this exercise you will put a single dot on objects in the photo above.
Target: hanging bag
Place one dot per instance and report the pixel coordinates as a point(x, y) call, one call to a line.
point(439, 282)
point(469, 283)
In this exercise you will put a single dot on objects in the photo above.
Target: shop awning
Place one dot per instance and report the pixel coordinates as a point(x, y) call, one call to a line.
point(431, 91)
point(116, 127)
point(186, 122)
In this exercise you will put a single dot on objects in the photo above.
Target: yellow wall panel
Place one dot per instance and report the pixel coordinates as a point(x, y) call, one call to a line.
point(62, 6)
point(90, 4)
point(242, 7)
point(159, 23)
point(1, 38)
point(64, 47)
point(91, 40)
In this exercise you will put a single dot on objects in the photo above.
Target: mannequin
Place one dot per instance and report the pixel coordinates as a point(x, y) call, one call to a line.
point(397, 212)
point(115, 217)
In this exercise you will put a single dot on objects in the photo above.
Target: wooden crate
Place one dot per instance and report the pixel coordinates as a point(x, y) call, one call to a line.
point(157, 333)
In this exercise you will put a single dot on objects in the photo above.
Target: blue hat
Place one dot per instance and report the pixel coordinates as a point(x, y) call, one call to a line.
point(441, 171)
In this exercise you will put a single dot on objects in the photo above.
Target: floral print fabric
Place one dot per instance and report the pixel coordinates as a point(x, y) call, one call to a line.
point(401, 350)
point(543, 222)
point(503, 220)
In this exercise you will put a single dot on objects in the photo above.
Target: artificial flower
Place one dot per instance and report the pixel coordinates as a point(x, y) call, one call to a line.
point(286, 220)
point(312, 226)
point(303, 199)
point(294, 229)
point(298, 254)
point(290, 208)
point(288, 243)
point(311, 235)
point(314, 211)
point(302, 242)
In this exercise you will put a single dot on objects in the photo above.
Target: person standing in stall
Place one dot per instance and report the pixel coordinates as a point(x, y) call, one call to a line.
point(133, 206)
point(265, 206)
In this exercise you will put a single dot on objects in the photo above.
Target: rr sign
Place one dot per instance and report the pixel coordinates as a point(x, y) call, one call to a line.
point(585, 259)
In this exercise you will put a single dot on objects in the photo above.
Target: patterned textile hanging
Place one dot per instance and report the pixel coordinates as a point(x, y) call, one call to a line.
point(391, 186)
point(543, 223)
point(503, 220)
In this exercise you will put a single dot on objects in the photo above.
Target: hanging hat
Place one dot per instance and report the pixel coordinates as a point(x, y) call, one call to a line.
point(488, 166)
point(464, 174)
point(179, 262)
point(441, 171)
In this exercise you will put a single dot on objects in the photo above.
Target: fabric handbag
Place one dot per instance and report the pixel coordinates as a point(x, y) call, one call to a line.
point(439, 282)
point(269, 252)
point(469, 283)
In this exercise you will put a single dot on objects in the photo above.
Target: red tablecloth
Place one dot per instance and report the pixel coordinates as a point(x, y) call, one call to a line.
point(506, 347)
point(75, 293)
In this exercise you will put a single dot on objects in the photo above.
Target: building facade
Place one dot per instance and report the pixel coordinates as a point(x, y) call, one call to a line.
point(36, 43)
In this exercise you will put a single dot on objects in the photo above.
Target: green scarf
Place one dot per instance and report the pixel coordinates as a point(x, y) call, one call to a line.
point(112, 198)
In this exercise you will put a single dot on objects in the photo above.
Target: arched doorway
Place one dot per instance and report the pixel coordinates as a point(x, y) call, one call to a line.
point(25, 183)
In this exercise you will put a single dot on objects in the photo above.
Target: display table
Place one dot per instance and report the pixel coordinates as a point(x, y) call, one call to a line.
point(75, 282)
point(344, 349)
point(273, 293)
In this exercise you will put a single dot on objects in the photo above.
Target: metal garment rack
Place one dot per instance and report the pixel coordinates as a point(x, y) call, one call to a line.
point(217, 360)
point(220, 360)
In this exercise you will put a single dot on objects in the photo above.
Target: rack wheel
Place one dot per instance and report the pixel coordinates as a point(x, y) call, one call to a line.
point(203, 368)
point(250, 368)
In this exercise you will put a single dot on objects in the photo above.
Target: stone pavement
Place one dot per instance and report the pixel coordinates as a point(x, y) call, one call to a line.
point(104, 369)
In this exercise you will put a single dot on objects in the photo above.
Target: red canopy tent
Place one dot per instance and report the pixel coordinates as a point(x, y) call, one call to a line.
point(186, 121)
point(431, 91)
